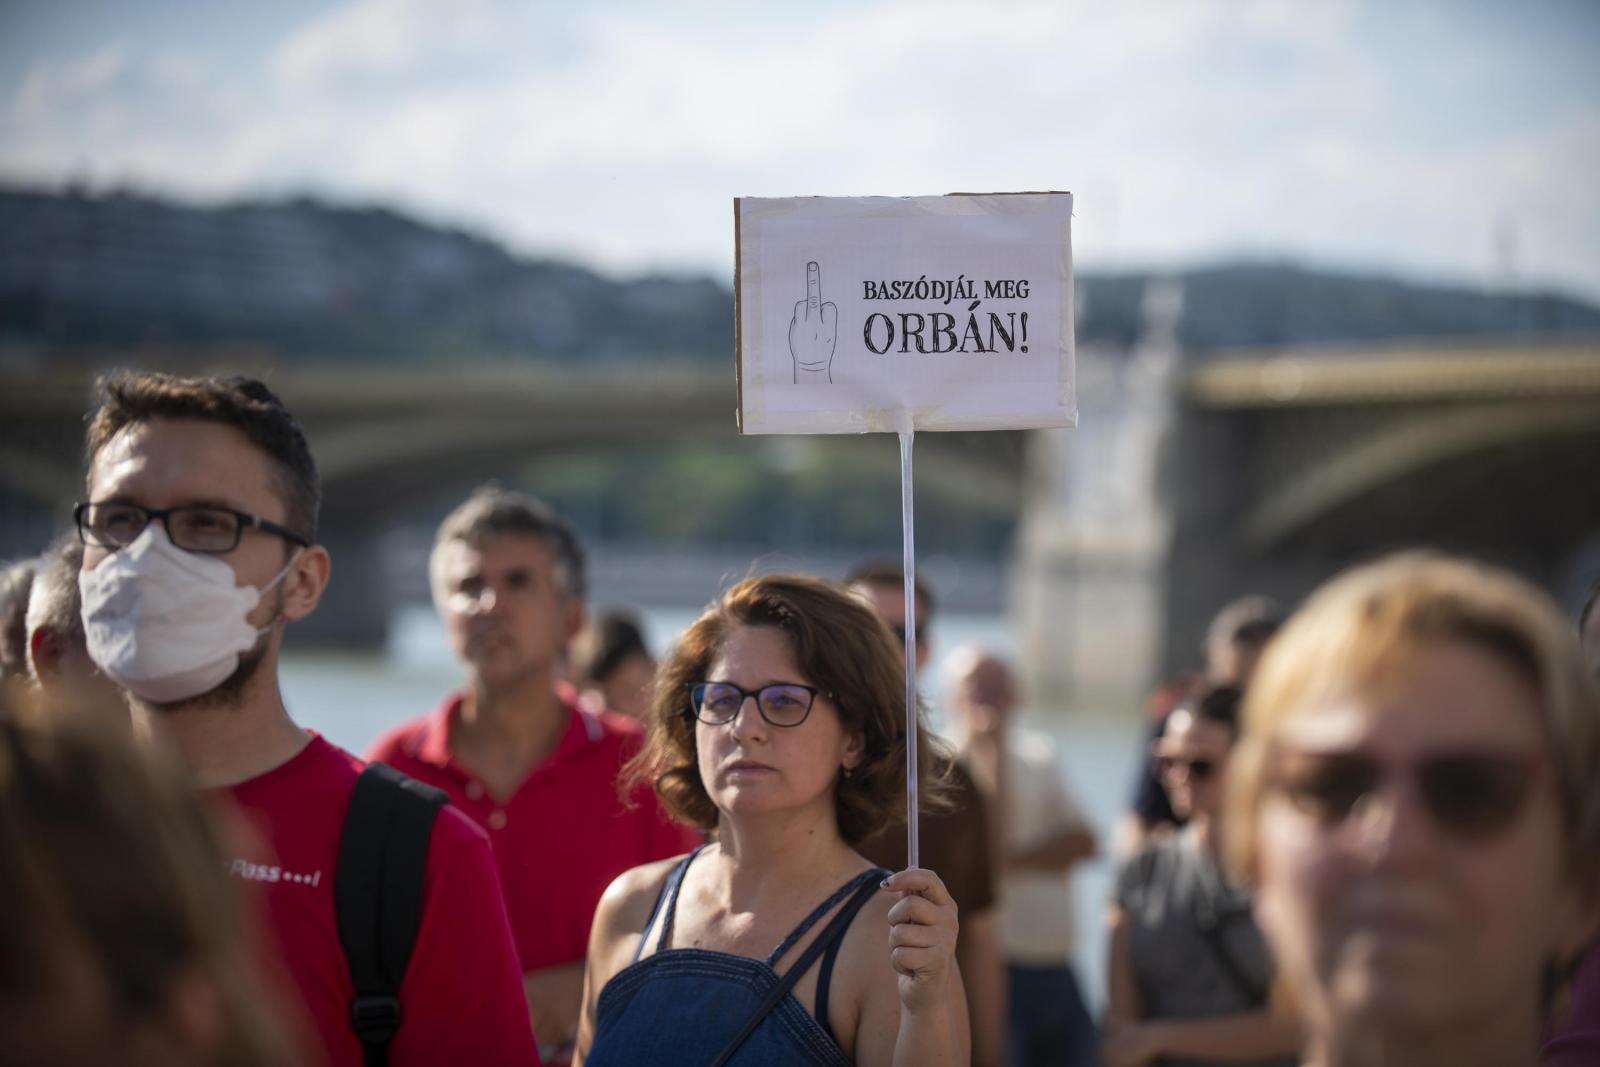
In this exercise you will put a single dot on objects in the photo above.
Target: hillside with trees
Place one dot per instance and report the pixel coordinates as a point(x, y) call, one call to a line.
point(87, 277)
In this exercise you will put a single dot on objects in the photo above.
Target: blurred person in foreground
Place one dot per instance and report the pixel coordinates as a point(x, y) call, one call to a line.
point(515, 752)
point(199, 548)
point(1041, 835)
point(1235, 639)
point(1573, 1037)
point(612, 666)
point(16, 582)
point(123, 938)
point(1190, 979)
point(956, 842)
point(58, 652)
point(1415, 799)
point(778, 722)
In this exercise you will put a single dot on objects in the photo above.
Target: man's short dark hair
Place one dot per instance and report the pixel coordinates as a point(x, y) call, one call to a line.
point(1218, 704)
point(131, 397)
point(492, 511)
point(608, 642)
point(887, 573)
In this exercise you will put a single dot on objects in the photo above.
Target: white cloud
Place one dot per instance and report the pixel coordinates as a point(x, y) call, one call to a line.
point(623, 132)
point(48, 88)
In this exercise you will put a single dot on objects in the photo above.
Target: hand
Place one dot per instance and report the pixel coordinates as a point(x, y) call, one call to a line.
point(812, 332)
point(922, 938)
point(1128, 1044)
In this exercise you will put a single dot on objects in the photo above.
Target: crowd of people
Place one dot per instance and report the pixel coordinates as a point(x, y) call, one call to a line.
point(1365, 833)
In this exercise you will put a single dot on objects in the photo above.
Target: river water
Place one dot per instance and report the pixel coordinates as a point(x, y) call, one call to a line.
point(351, 699)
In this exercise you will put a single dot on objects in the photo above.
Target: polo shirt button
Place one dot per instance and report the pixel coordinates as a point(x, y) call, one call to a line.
point(497, 820)
point(474, 791)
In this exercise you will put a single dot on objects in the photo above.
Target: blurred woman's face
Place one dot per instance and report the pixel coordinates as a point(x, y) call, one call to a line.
point(1410, 866)
point(1192, 759)
point(750, 766)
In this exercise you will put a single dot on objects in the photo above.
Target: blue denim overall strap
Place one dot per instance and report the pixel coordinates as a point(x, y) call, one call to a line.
point(683, 1006)
point(669, 893)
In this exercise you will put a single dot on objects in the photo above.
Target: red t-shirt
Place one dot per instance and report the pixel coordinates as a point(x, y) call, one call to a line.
point(461, 1001)
point(563, 835)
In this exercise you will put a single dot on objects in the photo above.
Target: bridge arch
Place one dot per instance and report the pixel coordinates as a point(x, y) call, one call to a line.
point(1406, 450)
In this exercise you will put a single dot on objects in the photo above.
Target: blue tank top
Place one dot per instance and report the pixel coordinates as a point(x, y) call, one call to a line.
point(681, 1006)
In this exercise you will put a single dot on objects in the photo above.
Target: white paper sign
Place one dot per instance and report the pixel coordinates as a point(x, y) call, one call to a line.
point(957, 309)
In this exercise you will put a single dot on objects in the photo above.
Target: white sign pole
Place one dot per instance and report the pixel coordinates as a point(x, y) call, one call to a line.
point(904, 428)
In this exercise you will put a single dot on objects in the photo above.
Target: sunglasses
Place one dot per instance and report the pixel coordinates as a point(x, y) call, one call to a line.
point(1471, 795)
point(1198, 769)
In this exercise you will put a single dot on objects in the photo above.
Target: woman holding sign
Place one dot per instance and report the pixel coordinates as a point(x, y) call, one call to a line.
point(777, 723)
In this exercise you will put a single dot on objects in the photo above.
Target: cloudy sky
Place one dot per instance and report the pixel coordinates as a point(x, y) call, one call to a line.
point(1453, 140)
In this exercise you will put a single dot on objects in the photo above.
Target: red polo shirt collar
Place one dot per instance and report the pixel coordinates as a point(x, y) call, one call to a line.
point(433, 745)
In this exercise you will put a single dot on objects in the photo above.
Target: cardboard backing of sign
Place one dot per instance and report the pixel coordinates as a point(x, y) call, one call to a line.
point(957, 309)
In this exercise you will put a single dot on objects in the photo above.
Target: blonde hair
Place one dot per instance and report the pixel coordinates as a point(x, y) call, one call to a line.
point(1361, 628)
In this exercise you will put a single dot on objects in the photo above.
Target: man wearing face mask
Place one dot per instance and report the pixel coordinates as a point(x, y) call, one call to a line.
point(199, 546)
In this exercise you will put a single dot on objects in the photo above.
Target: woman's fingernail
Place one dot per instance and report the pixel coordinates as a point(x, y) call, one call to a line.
point(884, 884)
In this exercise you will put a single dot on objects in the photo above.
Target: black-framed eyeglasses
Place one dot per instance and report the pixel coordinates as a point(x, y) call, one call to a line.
point(209, 529)
point(900, 632)
point(781, 704)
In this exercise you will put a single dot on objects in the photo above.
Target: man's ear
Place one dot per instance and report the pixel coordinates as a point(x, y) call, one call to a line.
point(44, 652)
point(303, 585)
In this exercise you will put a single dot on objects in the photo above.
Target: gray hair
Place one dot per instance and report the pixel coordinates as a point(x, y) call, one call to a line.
point(492, 511)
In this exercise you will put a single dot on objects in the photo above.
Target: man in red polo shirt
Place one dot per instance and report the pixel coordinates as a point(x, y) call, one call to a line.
point(199, 546)
point(516, 753)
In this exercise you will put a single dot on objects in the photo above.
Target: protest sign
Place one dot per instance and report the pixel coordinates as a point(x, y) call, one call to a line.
point(863, 314)
point(955, 309)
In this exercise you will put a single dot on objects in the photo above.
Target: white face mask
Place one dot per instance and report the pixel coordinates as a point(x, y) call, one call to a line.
point(167, 624)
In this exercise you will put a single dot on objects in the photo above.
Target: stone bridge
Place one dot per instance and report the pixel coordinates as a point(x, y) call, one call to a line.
point(1268, 472)
point(389, 444)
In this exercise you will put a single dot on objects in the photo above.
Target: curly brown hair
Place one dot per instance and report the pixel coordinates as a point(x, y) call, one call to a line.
point(844, 650)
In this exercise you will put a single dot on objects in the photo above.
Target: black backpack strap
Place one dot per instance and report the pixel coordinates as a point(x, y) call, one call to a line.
point(377, 893)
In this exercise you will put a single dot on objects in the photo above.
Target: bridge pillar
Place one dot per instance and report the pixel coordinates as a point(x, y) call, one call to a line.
point(1095, 529)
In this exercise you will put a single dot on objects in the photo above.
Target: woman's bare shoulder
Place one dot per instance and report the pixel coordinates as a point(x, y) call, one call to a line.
point(625, 906)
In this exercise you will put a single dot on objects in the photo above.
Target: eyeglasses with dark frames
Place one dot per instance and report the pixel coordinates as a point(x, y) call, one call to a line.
point(208, 529)
point(780, 704)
